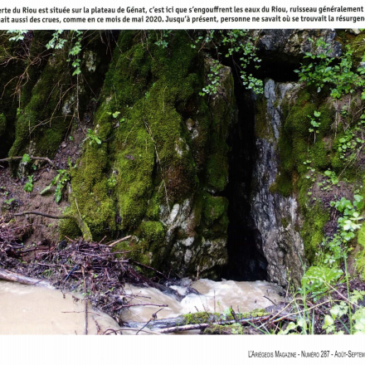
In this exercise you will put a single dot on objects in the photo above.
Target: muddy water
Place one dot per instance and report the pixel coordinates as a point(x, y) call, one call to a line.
point(33, 310)
point(215, 296)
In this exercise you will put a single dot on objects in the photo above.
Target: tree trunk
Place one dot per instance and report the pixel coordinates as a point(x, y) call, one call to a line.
point(18, 278)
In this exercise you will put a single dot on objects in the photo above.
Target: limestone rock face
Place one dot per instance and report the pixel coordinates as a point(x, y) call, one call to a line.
point(151, 154)
point(276, 217)
point(197, 237)
point(162, 175)
point(291, 44)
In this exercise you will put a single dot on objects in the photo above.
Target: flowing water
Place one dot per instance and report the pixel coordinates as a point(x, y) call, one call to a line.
point(34, 310)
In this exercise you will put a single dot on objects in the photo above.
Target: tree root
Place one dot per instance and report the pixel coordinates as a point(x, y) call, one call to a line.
point(31, 157)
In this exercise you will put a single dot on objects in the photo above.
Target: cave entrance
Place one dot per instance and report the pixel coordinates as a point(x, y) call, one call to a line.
point(246, 261)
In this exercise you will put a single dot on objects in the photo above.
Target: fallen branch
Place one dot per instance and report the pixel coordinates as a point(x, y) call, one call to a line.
point(18, 278)
point(135, 329)
point(200, 326)
point(141, 305)
point(121, 240)
point(45, 215)
point(31, 157)
point(147, 267)
point(182, 322)
point(153, 317)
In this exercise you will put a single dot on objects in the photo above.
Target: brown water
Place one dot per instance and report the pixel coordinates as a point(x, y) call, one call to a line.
point(216, 296)
point(34, 310)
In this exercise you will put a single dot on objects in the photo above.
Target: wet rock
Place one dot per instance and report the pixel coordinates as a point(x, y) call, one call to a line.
point(292, 44)
point(276, 217)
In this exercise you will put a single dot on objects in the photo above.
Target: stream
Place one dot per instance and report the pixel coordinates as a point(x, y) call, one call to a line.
point(35, 310)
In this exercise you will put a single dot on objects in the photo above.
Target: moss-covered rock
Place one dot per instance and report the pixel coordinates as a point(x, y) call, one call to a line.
point(166, 151)
point(360, 256)
point(11, 71)
point(53, 99)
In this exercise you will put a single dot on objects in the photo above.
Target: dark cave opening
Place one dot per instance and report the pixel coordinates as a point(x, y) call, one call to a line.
point(246, 261)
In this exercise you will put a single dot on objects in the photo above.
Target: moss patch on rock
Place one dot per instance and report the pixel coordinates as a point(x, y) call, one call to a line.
point(165, 144)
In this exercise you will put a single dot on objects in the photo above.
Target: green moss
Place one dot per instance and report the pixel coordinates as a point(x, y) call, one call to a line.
point(217, 171)
point(2, 124)
point(152, 154)
point(215, 208)
point(43, 104)
point(326, 119)
point(152, 236)
point(49, 98)
point(360, 256)
point(199, 317)
point(358, 45)
point(223, 115)
point(69, 228)
point(206, 317)
point(255, 313)
point(298, 151)
point(152, 232)
point(90, 194)
point(282, 184)
point(153, 209)
point(312, 233)
point(34, 71)
point(336, 162)
point(297, 121)
point(10, 70)
point(319, 155)
point(263, 127)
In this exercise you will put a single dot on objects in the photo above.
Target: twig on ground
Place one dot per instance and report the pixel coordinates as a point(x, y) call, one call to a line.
point(31, 157)
point(121, 240)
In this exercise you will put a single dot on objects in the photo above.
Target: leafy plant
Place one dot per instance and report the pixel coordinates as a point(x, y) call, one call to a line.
point(28, 187)
point(75, 49)
point(322, 70)
point(9, 201)
point(359, 318)
point(163, 42)
point(314, 123)
point(18, 35)
point(332, 176)
point(56, 42)
point(112, 182)
point(317, 278)
point(26, 158)
point(114, 115)
point(92, 137)
point(338, 311)
point(300, 326)
point(233, 42)
point(335, 248)
point(213, 77)
point(59, 181)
